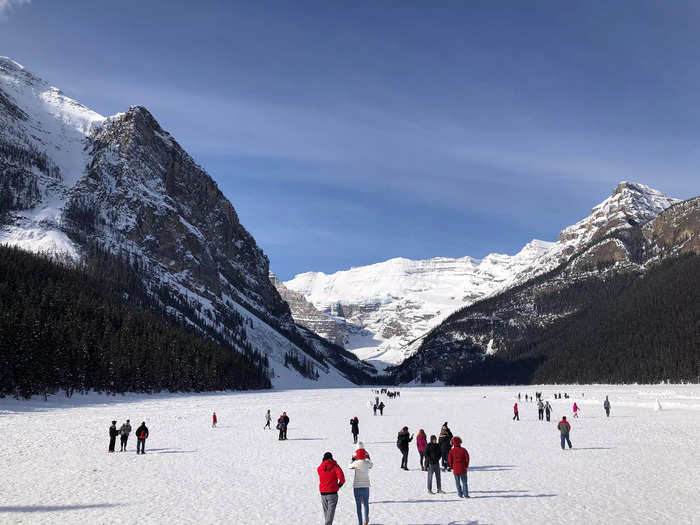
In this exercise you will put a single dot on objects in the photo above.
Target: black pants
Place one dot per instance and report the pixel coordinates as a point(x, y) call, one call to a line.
point(547, 416)
point(112, 440)
point(516, 416)
point(540, 414)
point(267, 425)
point(354, 438)
point(124, 440)
point(607, 412)
point(444, 452)
point(423, 461)
point(141, 445)
point(404, 458)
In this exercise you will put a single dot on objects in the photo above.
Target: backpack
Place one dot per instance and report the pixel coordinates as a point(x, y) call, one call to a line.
point(142, 434)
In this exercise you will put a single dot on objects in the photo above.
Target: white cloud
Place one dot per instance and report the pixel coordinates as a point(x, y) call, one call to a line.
point(8, 4)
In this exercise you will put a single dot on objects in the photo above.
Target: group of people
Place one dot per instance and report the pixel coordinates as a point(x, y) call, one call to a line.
point(377, 404)
point(124, 431)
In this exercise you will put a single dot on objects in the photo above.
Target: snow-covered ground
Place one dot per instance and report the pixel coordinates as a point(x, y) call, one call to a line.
point(640, 466)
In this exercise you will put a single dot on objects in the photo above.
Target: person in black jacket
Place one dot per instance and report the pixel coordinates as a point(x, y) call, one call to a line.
point(433, 455)
point(445, 442)
point(124, 432)
point(402, 441)
point(113, 433)
point(141, 436)
point(354, 428)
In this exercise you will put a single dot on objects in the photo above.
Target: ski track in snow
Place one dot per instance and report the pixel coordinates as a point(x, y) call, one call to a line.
point(639, 466)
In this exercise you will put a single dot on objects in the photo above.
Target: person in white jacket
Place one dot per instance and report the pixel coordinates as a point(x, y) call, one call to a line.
point(361, 464)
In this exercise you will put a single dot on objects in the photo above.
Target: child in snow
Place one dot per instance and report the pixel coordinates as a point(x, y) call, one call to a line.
point(515, 412)
point(213, 420)
point(575, 410)
point(361, 464)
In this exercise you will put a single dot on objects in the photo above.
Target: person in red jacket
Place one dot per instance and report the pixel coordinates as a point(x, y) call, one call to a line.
point(331, 478)
point(515, 411)
point(458, 459)
point(213, 420)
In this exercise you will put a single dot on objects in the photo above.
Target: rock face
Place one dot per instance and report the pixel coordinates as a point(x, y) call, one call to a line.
point(334, 329)
point(72, 179)
point(631, 244)
point(388, 305)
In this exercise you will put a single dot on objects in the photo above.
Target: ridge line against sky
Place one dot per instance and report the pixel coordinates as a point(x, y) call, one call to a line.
point(348, 135)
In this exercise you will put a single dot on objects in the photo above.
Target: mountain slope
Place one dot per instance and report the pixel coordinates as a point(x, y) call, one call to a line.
point(384, 307)
point(72, 179)
point(537, 329)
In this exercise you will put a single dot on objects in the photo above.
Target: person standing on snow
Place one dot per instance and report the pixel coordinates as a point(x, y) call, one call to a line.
point(141, 436)
point(402, 440)
point(547, 410)
point(361, 464)
point(433, 455)
point(381, 408)
point(606, 406)
point(268, 419)
point(213, 420)
point(282, 427)
point(540, 409)
point(564, 429)
point(374, 408)
point(124, 432)
point(354, 428)
point(330, 478)
point(445, 441)
point(576, 410)
point(113, 433)
point(459, 462)
point(421, 443)
point(515, 412)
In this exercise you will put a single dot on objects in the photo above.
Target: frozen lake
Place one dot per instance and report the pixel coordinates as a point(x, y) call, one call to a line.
point(641, 465)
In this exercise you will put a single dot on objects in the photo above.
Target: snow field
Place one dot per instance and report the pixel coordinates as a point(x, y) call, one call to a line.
point(639, 466)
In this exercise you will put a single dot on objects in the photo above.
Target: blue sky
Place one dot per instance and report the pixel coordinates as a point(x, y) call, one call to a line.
point(346, 133)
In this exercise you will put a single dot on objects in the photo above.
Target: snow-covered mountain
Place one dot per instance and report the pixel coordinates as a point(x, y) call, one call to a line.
point(388, 305)
point(386, 308)
point(71, 179)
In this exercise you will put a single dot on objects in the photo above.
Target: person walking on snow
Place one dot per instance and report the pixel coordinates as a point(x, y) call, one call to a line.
point(354, 428)
point(564, 429)
point(459, 462)
point(361, 464)
point(540, 410)
point(113, 433)
point(213, 420)
point(402, 440)
point(124, 432)
point(141, 436)
point(268, 419)
point(330, 479)
point(445, 442)
point(381, 408)
point(547, 410)
point(606, 406)
point(515, 412)
point(421, 443)
point(433, 455)
point(576, 409)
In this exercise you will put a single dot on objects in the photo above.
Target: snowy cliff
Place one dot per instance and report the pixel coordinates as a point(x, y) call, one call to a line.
point(72, 179)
